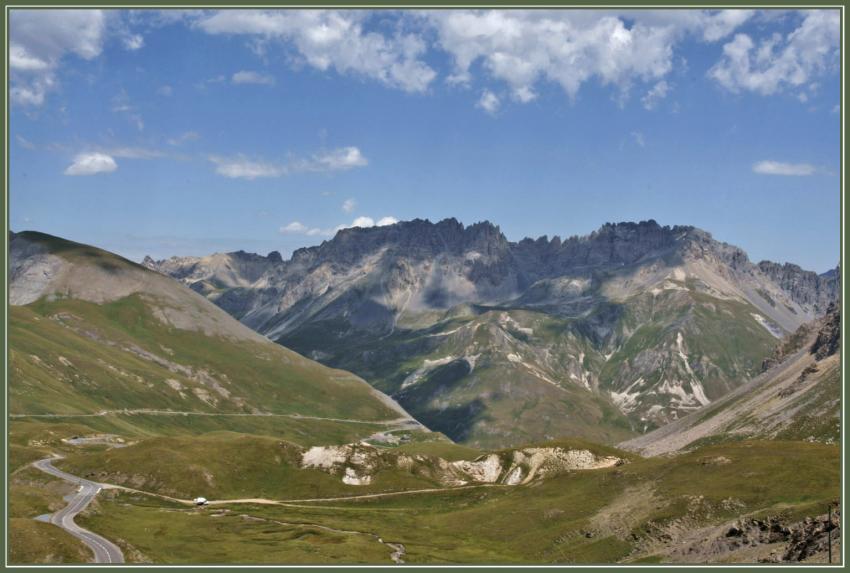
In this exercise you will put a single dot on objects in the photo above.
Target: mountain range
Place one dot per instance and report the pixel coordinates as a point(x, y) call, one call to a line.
point(142, 386)
point(497, 343)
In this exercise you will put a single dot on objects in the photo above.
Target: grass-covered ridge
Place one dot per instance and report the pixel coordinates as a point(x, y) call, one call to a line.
point(75, 357)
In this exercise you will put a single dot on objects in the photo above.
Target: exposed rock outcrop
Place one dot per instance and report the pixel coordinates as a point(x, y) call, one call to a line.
point(357, 464)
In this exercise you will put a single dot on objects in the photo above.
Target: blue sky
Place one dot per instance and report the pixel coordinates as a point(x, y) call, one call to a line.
point(184, 133)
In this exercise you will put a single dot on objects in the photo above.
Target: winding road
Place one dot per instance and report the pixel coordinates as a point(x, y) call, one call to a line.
point(107, 552)
point(104, 550)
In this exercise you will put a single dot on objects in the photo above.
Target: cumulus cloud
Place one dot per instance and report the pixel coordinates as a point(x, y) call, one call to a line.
point(337, 160)
point(91, 164)
point(365, 222)
point(250, 77)
point(362, 222)
point(489, 102)
point(518, 47)
point(566, 47)
point(717, 25)
point(349, 205)
point(778, 63)
point(778, 168)
point(294, 227)
point(299, 228)
point(40, 39)
point(329, 39)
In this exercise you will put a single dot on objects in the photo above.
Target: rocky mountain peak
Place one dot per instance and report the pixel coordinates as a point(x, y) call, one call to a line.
point(274, 257)
point(418, 238)
point(805, 287)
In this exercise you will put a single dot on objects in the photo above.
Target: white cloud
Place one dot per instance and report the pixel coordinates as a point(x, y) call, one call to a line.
point(40, 39)
point(20, 59)
point(778, 168)
point(299, 228)
point(91, 164)
point(657, 93)
point(293, 228)
point(337, 160)
point(349, 205)
point(489, 102)
point(778, 63)
point(133, 42)
point(567, 47)
point(250, 77)
point(836, 108)
point(133, 152)
point(365, 222)
point(240, 167)
point(716, 26)
point(524, 95)
point(165, 90)
point(329, 39)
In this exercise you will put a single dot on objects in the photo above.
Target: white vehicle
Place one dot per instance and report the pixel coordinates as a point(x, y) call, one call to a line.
point(200, 501)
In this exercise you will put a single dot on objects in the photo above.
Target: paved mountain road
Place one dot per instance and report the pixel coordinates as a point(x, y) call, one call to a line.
point(104, 550)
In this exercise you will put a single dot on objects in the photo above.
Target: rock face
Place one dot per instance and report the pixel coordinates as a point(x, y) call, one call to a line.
point(496, 343)
point(31, 269)
point(358, 464)
point(828, 340)
point(804, 287)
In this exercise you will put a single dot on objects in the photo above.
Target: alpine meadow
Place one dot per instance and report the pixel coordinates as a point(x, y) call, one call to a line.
point(461, 287)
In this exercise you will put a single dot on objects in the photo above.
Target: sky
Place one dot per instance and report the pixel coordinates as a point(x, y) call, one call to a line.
point(190, 132)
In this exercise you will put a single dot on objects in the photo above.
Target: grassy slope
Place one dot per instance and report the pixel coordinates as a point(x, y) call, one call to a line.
point(225, 465)
point(544, 522)
point(71, 357)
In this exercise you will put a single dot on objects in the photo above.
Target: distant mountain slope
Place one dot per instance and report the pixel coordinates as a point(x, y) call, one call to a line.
point(618, 332)
point(91, 332)
point(798, 397)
